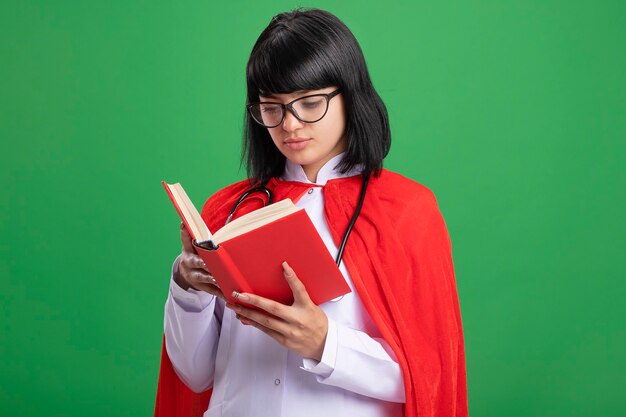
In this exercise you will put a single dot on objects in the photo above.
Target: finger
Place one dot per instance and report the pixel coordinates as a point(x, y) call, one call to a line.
point(260, 318)
point(193, 261)
point(272, 307)
point(185, 237)
point(300, 295)
point(201, 276)
point(198, 263)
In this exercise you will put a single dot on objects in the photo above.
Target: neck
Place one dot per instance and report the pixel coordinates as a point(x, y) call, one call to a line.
point(311, 172)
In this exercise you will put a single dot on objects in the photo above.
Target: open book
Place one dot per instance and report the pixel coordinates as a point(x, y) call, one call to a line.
point(246, 255)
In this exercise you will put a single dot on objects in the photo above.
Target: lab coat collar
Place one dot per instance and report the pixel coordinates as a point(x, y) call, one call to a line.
point(295, 172)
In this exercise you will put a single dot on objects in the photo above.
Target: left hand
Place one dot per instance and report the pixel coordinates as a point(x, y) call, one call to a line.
point(300, 327)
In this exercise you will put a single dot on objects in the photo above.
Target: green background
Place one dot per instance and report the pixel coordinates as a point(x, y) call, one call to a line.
point(512, 112)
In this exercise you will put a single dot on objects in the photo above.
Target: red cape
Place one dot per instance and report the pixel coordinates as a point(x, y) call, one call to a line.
point(400, 260)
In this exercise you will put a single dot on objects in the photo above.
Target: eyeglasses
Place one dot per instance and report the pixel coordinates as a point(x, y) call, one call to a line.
point(307, 109)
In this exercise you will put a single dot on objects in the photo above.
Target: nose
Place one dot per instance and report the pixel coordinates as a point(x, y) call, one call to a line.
point(291, 122)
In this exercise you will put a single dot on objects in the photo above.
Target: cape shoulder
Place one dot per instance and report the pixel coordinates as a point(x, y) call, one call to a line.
point(398, 189)
point(402, 197)
point(413, 209)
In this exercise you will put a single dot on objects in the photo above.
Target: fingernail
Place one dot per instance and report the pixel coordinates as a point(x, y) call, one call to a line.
point(287, 269)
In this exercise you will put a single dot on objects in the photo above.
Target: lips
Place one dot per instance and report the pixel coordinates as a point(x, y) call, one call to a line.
point(296, 143)
point(296, 140)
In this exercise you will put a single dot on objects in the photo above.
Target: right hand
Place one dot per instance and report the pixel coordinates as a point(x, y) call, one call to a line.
point(192, 271)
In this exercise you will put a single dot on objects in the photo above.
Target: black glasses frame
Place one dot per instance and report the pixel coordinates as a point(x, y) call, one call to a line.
point(289, 107)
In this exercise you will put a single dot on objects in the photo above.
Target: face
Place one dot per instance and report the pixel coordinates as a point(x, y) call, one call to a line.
point(310, 144)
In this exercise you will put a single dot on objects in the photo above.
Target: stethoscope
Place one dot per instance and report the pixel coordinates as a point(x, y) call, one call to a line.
point(262, 188)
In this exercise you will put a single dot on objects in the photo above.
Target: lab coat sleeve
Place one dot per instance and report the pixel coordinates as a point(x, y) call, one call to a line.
point(357, 362)
point(192, 325)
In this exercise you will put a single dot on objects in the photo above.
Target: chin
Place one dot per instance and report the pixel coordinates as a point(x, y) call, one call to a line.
point(296, 157)
point(303, 160)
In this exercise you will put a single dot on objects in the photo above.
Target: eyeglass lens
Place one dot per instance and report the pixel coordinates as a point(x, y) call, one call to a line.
point(307, 109)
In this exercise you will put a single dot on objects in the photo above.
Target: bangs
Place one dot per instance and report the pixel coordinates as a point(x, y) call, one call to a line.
point(286, 63)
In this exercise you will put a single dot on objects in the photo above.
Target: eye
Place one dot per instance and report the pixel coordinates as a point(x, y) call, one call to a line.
point(312, 103)
point(270, 109)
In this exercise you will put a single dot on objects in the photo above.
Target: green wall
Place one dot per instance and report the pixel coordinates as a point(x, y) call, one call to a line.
point(512, 112)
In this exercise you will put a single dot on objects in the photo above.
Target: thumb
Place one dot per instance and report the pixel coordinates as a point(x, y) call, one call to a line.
point(185, 237)
point(300, 294)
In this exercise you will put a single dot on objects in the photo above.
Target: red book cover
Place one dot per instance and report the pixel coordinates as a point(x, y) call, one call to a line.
point(252, 262)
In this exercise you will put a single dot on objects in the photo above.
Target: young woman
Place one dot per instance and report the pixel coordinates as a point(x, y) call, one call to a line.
point(317, 133)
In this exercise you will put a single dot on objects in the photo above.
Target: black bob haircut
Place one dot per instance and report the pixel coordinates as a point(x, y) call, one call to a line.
point(311, 49)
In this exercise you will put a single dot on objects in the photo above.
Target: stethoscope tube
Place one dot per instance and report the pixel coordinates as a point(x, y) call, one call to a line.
point(355, 216)
point(261, 188)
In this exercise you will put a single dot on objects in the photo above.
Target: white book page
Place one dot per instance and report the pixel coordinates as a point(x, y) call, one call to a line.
point(254, 220)
point(198, 228)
